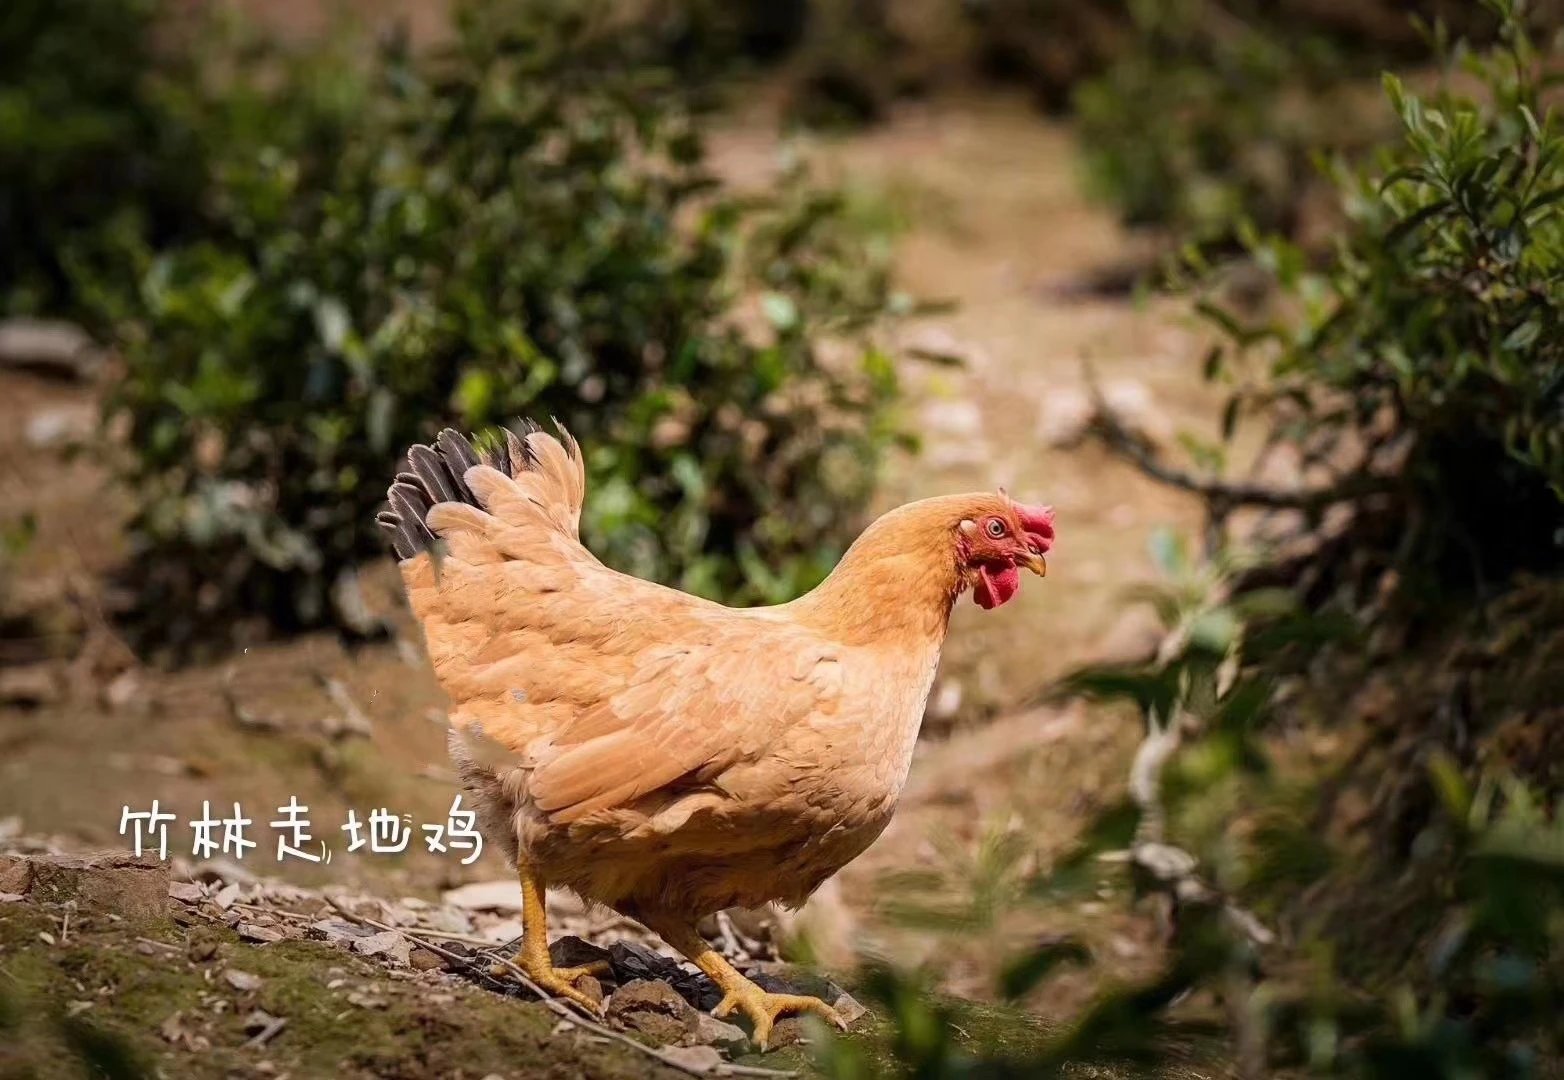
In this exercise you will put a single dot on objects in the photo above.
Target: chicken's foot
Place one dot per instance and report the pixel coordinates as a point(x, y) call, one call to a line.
point(738, 993)
point(534, 958)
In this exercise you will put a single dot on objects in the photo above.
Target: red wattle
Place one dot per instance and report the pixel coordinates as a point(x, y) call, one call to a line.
point(995, 586)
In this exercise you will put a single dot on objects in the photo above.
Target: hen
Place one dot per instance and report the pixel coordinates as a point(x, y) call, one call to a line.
point(663, 754)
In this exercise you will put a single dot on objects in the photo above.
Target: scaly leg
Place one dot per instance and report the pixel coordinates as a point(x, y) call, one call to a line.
point(761, 1006)
point(534, 958)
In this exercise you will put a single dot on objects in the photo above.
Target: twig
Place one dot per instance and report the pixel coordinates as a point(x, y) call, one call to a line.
point(267, 1033)
point(1138, 451)
point(569, 1013)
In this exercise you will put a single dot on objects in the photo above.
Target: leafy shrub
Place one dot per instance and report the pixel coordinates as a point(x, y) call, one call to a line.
point(1427, 351)
point(90, 144)
point(1211, 114)
point(516, 224)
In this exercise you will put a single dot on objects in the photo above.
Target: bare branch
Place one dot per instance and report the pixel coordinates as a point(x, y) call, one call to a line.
point(1138, 450)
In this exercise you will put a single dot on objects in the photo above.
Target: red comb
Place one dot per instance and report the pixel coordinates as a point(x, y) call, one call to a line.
point(1038, 523)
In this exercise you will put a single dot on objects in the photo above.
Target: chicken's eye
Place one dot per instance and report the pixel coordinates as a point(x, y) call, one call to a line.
point(996, 528)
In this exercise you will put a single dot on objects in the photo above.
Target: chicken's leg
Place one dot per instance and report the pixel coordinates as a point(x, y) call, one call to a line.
point(534, 958)
point(761, 1006)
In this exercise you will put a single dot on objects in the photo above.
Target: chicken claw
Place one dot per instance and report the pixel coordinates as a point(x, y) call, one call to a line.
point(561, 982)
point(533, 959)
point(764, 1008)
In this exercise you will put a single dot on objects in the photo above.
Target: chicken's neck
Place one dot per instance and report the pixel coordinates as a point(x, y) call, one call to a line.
point(895, 586)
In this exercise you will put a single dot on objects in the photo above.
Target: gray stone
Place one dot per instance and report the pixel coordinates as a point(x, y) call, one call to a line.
point(652, 1008)
point(709, 1031)
point(16, 874)
point(261, 935)
point(126, 885)
point(50, 347)
point(390, 944)
point(242, 981)
point(186, 892)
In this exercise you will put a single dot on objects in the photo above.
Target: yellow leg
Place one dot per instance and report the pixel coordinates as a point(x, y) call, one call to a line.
point(534, 958)
point(761, 1006)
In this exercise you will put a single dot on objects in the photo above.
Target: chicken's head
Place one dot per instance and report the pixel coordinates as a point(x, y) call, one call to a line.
point(998, 538)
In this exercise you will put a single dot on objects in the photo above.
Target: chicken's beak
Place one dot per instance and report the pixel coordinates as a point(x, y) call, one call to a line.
point(1036, 563)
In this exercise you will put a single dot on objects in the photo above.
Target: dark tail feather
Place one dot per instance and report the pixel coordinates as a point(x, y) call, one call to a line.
point(437, 474)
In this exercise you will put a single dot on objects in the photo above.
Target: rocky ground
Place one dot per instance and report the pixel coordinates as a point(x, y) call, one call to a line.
point(206, 970)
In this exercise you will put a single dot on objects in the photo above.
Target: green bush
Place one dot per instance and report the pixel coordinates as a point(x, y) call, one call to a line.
point(90, 144)
point(1428, 351)
point(1211, 114)
point(518, 223)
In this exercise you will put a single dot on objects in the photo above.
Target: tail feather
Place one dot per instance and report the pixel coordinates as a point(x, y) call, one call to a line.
point(546, 471)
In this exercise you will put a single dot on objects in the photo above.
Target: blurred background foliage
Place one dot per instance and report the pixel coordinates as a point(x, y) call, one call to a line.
point(516, 222)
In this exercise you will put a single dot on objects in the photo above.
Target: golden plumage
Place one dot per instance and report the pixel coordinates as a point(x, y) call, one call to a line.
point(656, 752)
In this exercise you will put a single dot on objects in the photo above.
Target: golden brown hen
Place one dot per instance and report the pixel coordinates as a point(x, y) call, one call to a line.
point(659, 753)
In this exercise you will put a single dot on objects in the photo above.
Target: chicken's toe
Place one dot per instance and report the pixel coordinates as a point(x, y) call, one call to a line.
point(561, 982)
point(764, 1008)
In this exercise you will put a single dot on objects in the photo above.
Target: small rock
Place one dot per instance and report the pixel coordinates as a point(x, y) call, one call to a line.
point(257, 1020)
point(49, 347)
point(366, 1000)
point(424, 960)
point(76, 1008)
point(572, 951)
point(709, 1031)
point(485, 896)
point(128, 886)
point(849, 1008)
point(223, 870)
point(388, 943)
point(29, 686)
point(242, 981)
point(1066, 414)
point(60, 425)
point(652, 1008)
point(450, 920)
point(11, 897)
point(186, 892)
point(339, 931)
point(16, 874)
point(261, 935)
point(173, 1028)
point(122, 691)
point(788, 1031)
point(501, 932)
point(225, 896)
point(696, 1059)
point(1131, 401)
point(202, 945)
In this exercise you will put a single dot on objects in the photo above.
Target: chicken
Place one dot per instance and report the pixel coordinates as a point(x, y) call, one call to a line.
point(659, 753)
